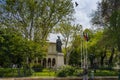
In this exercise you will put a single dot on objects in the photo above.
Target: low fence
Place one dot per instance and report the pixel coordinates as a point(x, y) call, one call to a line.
point(65, 78)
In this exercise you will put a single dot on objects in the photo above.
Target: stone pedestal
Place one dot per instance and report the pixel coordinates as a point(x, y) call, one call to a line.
point(59, 59)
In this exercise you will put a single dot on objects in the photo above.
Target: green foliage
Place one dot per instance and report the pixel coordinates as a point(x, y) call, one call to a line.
point(65, 71)
point(14, 49)
point(70, 35)
point(106, 68)
point(78, 72)
point(10, 53)
point(34, 17)
point(93, 45)
point(45, 73)
point(107, 15)
point(106, 73)
point(72, 71)
point(37, 68)
point(14, 72)
point(75, 58)
point(3, 72)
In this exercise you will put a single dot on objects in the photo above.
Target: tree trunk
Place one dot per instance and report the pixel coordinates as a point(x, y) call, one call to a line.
point(102, 58)
point(111, 56)
point(31, 28)
point(91, 63)
point(67, 53)
point(68, 56)
point(118, 45)
point(92, 57)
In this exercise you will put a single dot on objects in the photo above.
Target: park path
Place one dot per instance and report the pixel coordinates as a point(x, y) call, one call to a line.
point(61, 78)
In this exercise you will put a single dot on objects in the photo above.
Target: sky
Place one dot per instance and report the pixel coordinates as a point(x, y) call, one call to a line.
point(83, 12)
point(82, 15)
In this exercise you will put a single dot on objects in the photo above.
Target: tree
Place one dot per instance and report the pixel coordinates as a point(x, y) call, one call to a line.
point(34, 18)
point(74, 58)
point(104, 11)
point(69, 33)
point(8, 48)
point(79, 44)
point(96, 48)
point(14, 49)
point(75, 54)
point(109, 11)
point(109, 15)
point(102, 47)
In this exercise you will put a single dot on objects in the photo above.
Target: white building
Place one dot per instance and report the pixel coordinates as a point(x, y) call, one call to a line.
point(53, 58)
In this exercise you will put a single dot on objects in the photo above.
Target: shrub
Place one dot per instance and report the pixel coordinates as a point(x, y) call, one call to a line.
point(37, 68)
point(15, 72)
point(106, 68)
point(78, 72)
point(65, 71)
point(4, 72)
point(106, 73)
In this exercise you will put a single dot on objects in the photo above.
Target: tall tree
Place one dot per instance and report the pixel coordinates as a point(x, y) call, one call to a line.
point(109, 16)
point(34, 18)
point(14, 49)
point(69, 33)
point(104, 11)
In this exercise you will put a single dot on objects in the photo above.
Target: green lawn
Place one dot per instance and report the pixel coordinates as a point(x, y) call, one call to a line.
point(9, 72)
point(106, 73)
point(45, 72)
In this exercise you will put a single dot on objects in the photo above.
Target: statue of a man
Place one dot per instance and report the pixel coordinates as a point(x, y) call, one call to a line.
point(58, 45)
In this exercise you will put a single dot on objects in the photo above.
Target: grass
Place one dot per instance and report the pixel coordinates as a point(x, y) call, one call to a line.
point(9, 72)
point(45, 72)
point(106, 73)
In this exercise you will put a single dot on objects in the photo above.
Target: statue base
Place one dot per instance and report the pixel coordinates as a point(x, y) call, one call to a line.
point(59, 59)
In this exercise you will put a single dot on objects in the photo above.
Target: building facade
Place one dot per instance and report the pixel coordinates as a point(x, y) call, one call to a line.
point(53, 58)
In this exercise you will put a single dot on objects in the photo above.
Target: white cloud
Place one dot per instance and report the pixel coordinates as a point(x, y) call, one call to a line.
point(83, 11)
point(53, 37)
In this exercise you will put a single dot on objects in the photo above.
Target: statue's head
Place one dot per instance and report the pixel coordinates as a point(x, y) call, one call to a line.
point(58, 37)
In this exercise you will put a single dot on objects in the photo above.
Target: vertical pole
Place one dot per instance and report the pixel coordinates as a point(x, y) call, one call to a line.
point(81, 55)
point(86, 56)
point(85, 69)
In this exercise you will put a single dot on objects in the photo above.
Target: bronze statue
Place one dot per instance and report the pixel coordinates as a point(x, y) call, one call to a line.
point(58, 44)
